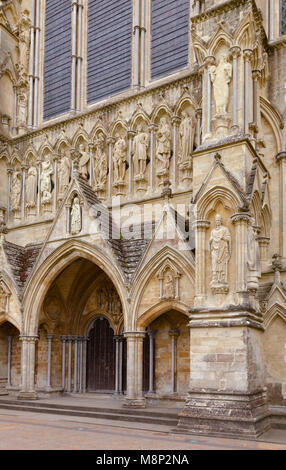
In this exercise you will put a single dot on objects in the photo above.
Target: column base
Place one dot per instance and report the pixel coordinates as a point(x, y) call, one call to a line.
point(134, 403)
point(221, 414)
point(27, 395)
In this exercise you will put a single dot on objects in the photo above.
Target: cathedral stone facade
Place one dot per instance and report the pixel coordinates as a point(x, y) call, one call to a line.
point(142, 206)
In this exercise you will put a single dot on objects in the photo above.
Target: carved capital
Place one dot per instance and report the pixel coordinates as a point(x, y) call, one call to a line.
point(235, 51)
point(241, 217)
point(199, 112)
point(110, 140)
point(201, 225)
point(209, 60)
point(247, 54)
point(176, 120)
point(281, 156)
point(29, 339)
point(256, 74)
point(174, 333)
point(153, 127)
point(131, 134)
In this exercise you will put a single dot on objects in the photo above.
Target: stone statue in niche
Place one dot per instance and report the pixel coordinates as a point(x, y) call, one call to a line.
point(31, 187)
point(220, 248)
point(119, 160)
point(64, 171)
point(16, 191)
point(24, 42)
point(75, 216)
point(221, 76)
point(46, 180)
point(83, 162)
point(169, 289)
point(100, 164)
point(253, 257)
point(140, 147)
point(163, 152)
point(186, 133)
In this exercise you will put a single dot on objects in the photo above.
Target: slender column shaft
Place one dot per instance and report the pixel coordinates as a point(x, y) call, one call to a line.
point(55, 183)
point(117, 339)
point(130, 135)
point(63, 339)
point(152, 128)
point(75, 384)
point(31, 66)
point(134, 365)
point(37, 78)
point(271, 20)
point(49, 338)
point(9, 366)
point(14, 128)
point(9, 171)
point(255, 76)
point(80, 364)
point(120, 384)
point(39, 189)
point(84, 364)
point(281, 159)
point(110, 142)
point(199, 123)
point(79, 56)
point(143, 35)
point(209, 102)
point(23, 191)
point(247, 54)
point(74, 51)
point(175, 121)
point(201, 227)
point(235, 51)
point(69, 363)
point(136, 43)
point(174, 335)
point(151, 361)
point(241, 222)
point(91, 148)
point(28, 366)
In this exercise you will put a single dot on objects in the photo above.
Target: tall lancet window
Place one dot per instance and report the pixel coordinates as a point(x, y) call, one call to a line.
point(57, 60)
point(170, 36)
point(283, 16)
point(109, 48)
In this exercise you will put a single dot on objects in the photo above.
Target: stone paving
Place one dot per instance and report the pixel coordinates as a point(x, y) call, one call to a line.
point(30, 431)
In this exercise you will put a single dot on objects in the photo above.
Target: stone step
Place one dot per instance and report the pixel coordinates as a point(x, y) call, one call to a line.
point(96, 413)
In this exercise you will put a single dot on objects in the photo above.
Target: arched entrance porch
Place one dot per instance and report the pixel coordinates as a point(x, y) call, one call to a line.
point(10, 358)
point(78, 291)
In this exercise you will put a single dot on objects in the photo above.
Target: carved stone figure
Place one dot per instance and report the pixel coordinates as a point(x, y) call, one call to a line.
point(83, 162)
point(119, 160)
point(221, 76)
point(163, 153)
point(220, 248)
point(75, 216)
point(100, 163)
point(186, 138)
point(46, 180)
point(64, 171)
point(16, 191)
point(140, 146)
point(169, 286)
point(24, 42)
point(31, 187)
point(253, 257)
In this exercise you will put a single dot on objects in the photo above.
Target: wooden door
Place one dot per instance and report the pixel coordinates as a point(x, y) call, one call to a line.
point(101, 357)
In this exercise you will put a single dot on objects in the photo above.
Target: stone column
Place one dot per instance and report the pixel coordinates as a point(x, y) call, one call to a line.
point(75, 372)
point(10, 172)
point(84, 357)
point(263, 243)
point(134, 369)
point(56, 157)
point(247, 53)
point(117, 339)
point(28, 391)
point(9, 366)
point(271, 20)
point(37, 75)
point(79, 55)
point(151, 334)
point(130, 135)
point(136, 32)
point(63, 340)
point(110, 142)
point(207, 94)
point(80, 389)
point(235, 52)
point(14, 125)
point(69, 341)
point(24, 172)
point(73, 55)
point(91, 148)
point(39, 188)
point(175, 121)
point(174, 334)
point(201, 227)
point(120, 384)
point(199, 124)
point(50, 338)
point(31, 67)
point(241, 222)
point(152, 129)
point(142, 51)
point(256, 74)
point(281, 159)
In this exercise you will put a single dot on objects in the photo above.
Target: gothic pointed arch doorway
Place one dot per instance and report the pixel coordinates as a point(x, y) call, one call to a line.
point(101, 357)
